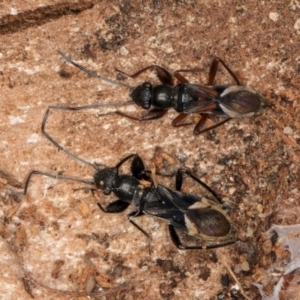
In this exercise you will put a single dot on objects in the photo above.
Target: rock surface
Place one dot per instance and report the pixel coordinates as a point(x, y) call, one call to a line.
point(55, 242)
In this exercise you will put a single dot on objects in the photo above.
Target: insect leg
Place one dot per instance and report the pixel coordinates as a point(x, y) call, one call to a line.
point(178, 120)
point(152, 114)
point(179, 181)
point(124, 160)
point(163, 75)
point(135, 214)
point(138, 169)
point(213, 71)
point(116, 206)
point(181, 78)
point(199, 126)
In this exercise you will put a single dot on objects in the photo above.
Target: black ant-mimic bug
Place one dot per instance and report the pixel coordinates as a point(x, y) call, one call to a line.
point(194, 216)
point(230, 101)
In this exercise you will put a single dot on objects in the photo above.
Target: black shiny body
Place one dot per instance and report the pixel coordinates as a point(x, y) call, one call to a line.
point(232, 101)
point(193, 215)
point(164, 96)
point(188, 216)
point(229, 101)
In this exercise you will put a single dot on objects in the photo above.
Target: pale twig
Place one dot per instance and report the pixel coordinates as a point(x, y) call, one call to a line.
point(234, 277)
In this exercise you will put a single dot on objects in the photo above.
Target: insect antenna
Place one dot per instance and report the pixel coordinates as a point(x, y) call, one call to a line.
point(68, 59)
point(35, 172)
point(55, 143)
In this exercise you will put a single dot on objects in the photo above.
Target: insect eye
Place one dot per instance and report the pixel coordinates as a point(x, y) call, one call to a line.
point(146, 95)
point(101, 184)
point(106, 191)
point(147, 85)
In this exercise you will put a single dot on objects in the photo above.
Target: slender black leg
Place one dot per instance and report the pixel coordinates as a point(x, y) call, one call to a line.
point(177, 122)
point(153, 114)
point(124, 160)
point(116, 206)
point(138, 169)
point(163, 75)
point(135, 214)
point(214, 68)
point(199, 126)
point(179, 181)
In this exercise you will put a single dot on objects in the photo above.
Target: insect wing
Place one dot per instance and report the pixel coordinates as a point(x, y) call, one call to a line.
point(159, 200)
point(237, 101)
point(179, 200)
point(158, 205)
point(178, 205)
point(204, 96)
point(209, 221)
point(201, 217)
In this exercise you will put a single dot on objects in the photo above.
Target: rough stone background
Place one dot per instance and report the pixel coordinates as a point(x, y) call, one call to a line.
point(55, 242)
